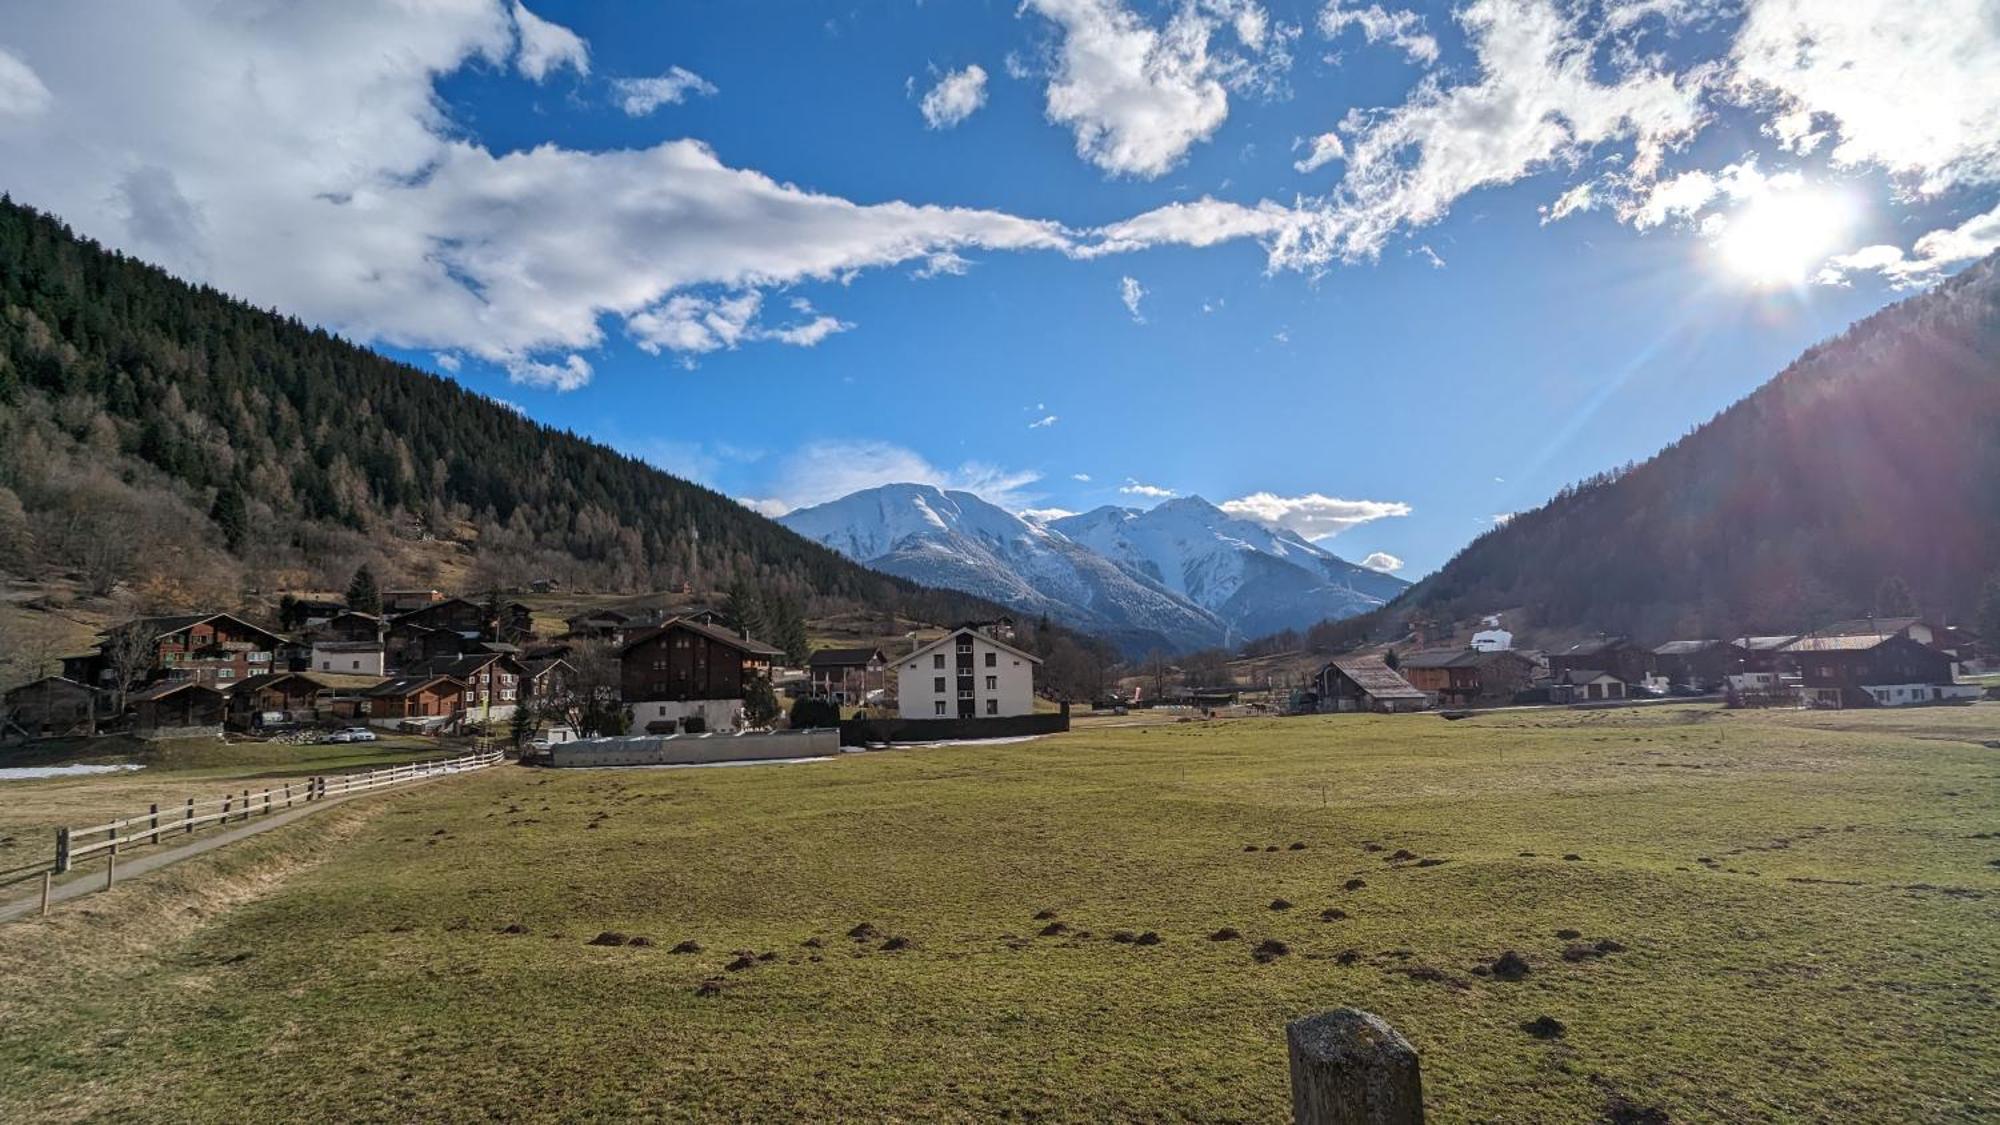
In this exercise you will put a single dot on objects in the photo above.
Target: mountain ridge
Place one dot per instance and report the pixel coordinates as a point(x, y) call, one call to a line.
point(1181, 576)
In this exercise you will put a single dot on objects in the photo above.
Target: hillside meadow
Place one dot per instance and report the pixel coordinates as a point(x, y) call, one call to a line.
point(1732, 917)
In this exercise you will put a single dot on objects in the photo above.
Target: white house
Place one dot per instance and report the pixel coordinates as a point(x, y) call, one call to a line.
point(966, 674)
point(355, 658)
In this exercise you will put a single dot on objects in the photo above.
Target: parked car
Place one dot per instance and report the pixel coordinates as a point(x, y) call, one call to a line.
point(352, 734)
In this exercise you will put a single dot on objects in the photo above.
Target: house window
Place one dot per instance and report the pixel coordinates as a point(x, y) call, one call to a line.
point(992, 659)
point(937, 685)
point(993, 707)
point(357, 665)
point(939, 705)
point(992, 683)
point(937, 661)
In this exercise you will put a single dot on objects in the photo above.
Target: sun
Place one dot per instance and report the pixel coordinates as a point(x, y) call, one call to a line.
point(1781, 237)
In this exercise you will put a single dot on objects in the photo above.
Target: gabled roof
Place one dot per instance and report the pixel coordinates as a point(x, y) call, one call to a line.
point(1868, 627)
point(1592, 648)
point(1687, 648)
point(166, 688)
point(967, 631)
point(1438, 658)
point(1852, 642)
point(49, 682)
point(321, 681)
point(1765, 644)
point(169, 625)
point(347, 646)
point(410, 685)
point(459, 667)
point(1587, 675)
point(1371, 675)
point(749, 646)
point(843, 657)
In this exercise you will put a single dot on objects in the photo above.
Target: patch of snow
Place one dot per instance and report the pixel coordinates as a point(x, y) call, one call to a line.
point(34, 773)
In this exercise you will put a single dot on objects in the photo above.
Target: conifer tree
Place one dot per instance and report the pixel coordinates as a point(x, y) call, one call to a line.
point(362, 594)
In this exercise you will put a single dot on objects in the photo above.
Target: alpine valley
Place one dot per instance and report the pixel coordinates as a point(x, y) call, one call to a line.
point(1180, 576)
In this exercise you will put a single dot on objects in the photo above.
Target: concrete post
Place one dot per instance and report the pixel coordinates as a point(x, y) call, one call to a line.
point(1349, 1067)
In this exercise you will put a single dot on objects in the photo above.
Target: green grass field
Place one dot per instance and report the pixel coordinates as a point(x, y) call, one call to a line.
point(1808, 908)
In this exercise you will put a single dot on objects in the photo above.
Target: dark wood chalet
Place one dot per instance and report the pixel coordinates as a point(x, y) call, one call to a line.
point(417, 697)
point(847, 675)
point(1836, 671)
point(1365, 683)
point(1699, 665)
point(1617, 655)
point(686, 660)
point(207, 648)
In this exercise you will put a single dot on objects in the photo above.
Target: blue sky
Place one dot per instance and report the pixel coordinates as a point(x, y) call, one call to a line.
point(1382, 272)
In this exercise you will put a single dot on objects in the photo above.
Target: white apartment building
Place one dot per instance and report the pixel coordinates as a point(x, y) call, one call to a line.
point(966, 675)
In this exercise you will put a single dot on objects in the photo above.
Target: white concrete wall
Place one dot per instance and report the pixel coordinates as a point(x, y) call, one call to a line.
point(1012, 691)
point(717, 714)
point(368, 663)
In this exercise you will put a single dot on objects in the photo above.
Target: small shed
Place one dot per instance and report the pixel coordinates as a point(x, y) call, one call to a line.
point(179, 708)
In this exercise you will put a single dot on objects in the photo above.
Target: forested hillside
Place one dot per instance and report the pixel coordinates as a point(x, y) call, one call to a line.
point(170, 441)
point(1868, 470)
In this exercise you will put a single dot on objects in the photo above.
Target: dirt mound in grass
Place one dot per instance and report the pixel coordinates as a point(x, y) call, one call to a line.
point(1226, 933)
point(1281, 904)
point(1333, 914)
point(1148, 938)
point(1270, 949)
point(1545, 1027)
point(1510, 966)
point(1354, 884)
point(608, 937)
point(740, 964)
point(687, 947)
point(864, 932)
point(1054, 929)
point(896, 943)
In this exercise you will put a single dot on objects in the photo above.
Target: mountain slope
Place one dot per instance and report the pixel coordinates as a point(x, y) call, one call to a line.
point(1874, 456)
point(168, 439)
point(957, 540)
point(1256, 579)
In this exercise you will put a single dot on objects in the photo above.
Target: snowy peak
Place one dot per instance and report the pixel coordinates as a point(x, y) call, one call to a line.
point(1183, 575)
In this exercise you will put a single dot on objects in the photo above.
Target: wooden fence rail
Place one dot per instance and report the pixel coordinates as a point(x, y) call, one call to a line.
point(155, 826)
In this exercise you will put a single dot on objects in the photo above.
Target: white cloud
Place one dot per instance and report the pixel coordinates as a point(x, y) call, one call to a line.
point(1325, 149)
point(1382, 561)
point(1429, 255)
point(957, 96)
point(1927, 260)
point(641, 96)
point(572, 372)
point(942, 265)
point(546, 46)
point(1132, 487)
point(1908, 87)
point(1044, 515)
point(21, 91)
point(1131, 293)
point(693, 324)
point(310, 169)
point(828, 470)
point(447, 361)
point(1084, 477)
point(1400, 29)
point(1043, 423)
point(1138, 97)
point(1538, 102)
point(1501, 519)
point(1312, 515)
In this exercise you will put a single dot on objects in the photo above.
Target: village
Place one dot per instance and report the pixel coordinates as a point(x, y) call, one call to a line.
point(432, 663)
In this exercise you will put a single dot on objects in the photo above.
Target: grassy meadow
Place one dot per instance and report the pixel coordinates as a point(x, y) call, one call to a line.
point(1734, 916)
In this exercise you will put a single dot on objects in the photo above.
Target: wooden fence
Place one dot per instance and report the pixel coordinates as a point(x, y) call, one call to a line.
point(156, 826)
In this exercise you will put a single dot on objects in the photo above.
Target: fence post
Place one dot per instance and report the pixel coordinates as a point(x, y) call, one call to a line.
point(111, 867)
point(226, 799)
point(267, 800)
point(246, 804)
point(48, 878)
point(62, 850)
point(288, 796)
point(187, 817)
point(1349, 1067)
point(154, 812)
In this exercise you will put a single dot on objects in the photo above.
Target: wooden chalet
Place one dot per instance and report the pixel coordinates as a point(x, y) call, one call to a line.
point(847, 675)
point(1587, 685)
point(493, 681)
point(292, 698)
point(209, 648)
point(178, 707)
point(684, 660)
point(1617, 655)
point(1468, 677)
point(51, 706)
point(1703, 665)
point(1365, 683)
point(420, 696)
point(1866, 670)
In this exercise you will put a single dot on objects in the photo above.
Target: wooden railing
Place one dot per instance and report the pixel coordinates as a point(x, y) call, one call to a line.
point(156, 826)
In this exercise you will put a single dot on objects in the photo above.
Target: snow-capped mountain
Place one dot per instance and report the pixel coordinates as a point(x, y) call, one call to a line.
point(1184, 575)
point(958, 541)
point(1257, 579)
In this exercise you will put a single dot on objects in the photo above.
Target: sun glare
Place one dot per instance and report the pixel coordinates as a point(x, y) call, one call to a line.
point(1781, 237)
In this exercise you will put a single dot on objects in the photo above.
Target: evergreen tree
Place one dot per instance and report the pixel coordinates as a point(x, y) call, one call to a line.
point(231, 515)
point(523, 725)
point(788, 632)
point(744, 607)
point(1986, 622)
point(760, 703)
point(1392, 660)
point(362, 594)
point(1893, 599)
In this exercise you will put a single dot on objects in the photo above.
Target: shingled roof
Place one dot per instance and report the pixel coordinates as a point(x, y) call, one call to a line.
point(1375, 677)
